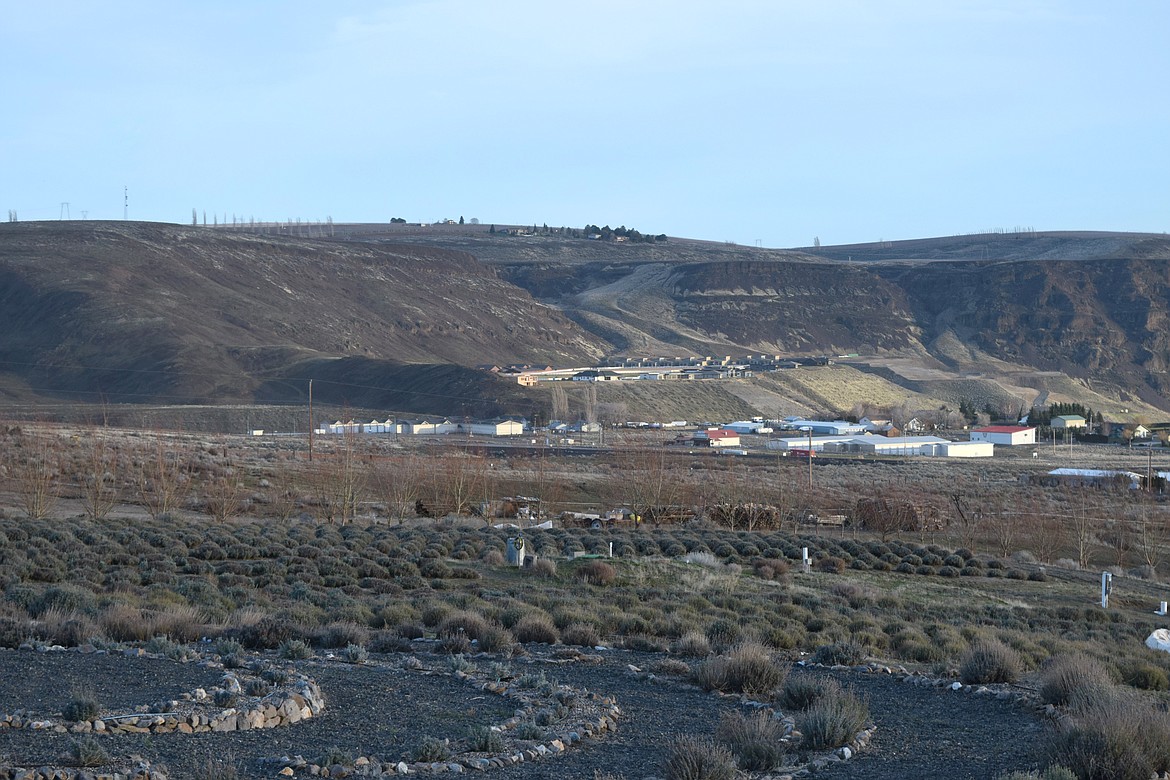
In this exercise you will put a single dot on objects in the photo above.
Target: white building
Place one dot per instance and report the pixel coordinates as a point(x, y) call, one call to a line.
point(1067, 421)
point(493, 428)
point(716, 438)
point(1008, 435)
point(822, 427)
point(819, 443)
point(930, 446)
point(748, 426)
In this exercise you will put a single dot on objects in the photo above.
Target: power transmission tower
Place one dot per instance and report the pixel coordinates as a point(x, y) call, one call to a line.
point(64, 211)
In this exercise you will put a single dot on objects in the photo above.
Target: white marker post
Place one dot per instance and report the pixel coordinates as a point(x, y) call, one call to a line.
point(805, 562)
point(1106, 587)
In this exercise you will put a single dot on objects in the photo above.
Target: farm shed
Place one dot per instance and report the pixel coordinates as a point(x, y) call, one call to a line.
point(748, 426)
point(964, 449)
point(716, 438)
point(1067, 421)
point(819, 443)
point(824, 428)
point(898, 445)
point(1008, 435)
point(497, 427)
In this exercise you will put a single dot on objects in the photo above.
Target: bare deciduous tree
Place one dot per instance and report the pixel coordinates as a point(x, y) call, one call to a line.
point(34, 465)
point(339, 481)
point(223, 491)
point(458, 481)
point(100, 486)
point(398, 484)
point(163, 477)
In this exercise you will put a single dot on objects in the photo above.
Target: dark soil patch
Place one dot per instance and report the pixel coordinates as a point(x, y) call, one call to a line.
point(35, 682)
point(371, 710)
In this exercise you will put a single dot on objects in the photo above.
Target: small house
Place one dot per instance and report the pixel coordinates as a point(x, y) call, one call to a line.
point(1067, 422)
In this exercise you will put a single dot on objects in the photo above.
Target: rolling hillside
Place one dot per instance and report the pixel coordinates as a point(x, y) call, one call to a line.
point(396, 317)
point(132, 312)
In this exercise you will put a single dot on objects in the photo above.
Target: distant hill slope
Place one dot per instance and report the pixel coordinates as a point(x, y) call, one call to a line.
point(137, 312)
point(396, 316)
point(1010, 309)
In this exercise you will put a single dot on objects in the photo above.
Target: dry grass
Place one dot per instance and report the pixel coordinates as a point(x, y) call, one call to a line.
point(1115, 736)
point(1068, 675)
point(990, 661)
point(536, 628)
point(697, 758)
point(754, 739)
point(748, 668)
point(596, 573)
point(833, 720)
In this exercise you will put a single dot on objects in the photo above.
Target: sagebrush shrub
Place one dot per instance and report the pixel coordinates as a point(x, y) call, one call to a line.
point(82, 707)
point(495, 639)
point(840, 653)
point(1116, 736)
point(544, 567)
point(830, 565)
point(596, 573)
point(470, 624)
point(536, 628)
point(754, 739)
point(697, 758)
point(747, 668)
point(1145, 676)
point(482, 739)
point(771, 569)
point(88, 752)
point(581, 635)
point(342, 634)
point(294, 650)
point(431, 750)
point(267, 634)
point(693, 644)
point(989, 661)
point(1066, 675)
point(833, 720)
point(802, 691)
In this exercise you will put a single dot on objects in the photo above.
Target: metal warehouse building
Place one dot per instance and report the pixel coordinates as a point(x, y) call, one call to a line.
point(1009, 435)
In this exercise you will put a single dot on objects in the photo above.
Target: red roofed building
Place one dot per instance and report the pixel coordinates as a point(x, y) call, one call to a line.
point(716, 438)
point(1010, 435)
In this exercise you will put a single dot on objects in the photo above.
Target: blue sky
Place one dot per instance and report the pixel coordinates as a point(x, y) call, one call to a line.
point(747, 120)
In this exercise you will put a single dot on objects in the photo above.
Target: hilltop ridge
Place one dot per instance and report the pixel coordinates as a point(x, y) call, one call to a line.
point(128, 312)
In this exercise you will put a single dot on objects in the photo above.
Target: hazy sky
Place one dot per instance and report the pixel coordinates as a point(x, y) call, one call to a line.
point(744, 120)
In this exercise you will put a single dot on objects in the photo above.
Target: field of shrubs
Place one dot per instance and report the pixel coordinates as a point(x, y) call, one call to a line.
point(714, 598)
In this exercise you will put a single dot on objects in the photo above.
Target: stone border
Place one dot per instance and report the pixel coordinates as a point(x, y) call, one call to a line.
point(192, 713)
point(598, 715)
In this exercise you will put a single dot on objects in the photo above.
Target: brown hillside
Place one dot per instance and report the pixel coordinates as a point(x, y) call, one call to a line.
point(135, 312)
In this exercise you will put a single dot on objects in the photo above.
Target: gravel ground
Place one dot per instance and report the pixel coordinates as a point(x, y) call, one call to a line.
point(922, 733)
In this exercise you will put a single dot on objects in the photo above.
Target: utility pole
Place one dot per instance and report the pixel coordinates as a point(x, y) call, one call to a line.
point(810, 457)
point(310, 420)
